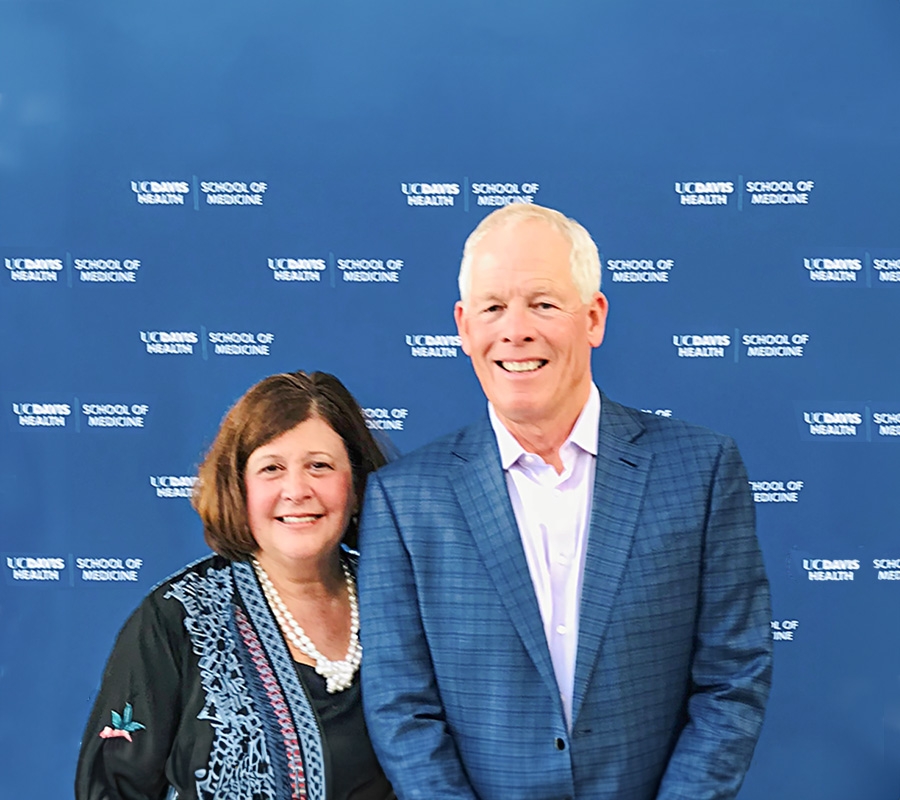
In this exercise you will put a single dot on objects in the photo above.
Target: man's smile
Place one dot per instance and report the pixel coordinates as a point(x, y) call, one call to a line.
point(522, 366)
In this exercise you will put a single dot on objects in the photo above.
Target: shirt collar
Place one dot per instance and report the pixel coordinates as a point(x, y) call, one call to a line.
point(584, 432)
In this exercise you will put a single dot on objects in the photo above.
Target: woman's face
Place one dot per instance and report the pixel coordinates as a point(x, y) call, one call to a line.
point(299, 494)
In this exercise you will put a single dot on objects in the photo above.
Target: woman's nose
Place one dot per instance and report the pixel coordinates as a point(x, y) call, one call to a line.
point(296, 486)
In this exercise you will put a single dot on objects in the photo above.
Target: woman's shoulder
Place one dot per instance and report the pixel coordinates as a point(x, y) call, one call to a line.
point(201, 568)
point(211, 573)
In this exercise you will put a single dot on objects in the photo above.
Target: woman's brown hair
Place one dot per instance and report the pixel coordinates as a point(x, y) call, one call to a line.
point(270, 408)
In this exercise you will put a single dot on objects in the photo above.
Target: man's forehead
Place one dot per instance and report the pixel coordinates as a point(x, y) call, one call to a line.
point(490, 283)
point(516, 231)
point(516, 255)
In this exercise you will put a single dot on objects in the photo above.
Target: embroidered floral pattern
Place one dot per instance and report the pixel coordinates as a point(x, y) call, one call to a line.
point(279, 706)
point(239, 764)
point(123, 725)
point(282, 665)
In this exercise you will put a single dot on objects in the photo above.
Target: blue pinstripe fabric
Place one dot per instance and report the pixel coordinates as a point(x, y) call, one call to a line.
point(674, 651)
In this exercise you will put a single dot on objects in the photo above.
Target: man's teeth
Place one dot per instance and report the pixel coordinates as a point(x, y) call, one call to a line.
point(521, 366)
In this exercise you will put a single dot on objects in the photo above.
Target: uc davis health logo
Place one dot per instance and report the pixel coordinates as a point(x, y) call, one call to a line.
point(827, 569)
point(433, 346)
point(36, 568)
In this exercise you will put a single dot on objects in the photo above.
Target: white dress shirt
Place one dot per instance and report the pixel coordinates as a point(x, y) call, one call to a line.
point(553, 512)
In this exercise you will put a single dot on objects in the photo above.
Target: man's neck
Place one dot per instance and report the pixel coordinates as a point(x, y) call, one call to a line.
point(544, 438)
point(543, 441)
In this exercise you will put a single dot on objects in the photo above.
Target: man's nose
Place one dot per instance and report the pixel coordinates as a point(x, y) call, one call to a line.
point(517, 325)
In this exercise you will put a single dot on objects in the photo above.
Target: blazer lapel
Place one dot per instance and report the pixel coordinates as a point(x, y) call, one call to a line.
point(484, 499)
point(620, 481)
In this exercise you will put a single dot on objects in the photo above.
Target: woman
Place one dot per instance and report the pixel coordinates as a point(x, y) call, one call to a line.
point(237, 677)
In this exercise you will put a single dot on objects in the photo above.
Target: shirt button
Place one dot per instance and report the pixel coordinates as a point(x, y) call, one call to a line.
point(562, 559)
point(562, 629)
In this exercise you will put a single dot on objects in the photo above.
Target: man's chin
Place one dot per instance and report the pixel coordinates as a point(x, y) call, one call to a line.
point(523, 412)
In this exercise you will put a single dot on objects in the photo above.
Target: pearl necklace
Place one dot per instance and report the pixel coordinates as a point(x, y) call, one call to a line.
point(338, 674)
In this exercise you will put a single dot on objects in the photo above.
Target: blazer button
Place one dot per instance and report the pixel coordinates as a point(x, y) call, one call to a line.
point(560, 744)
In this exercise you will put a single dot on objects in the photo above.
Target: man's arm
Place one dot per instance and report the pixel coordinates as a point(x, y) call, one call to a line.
point(402, 703)
point(732, 663)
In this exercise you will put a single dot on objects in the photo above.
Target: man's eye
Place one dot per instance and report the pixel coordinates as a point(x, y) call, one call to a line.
point(545, 306)
point(493, 309)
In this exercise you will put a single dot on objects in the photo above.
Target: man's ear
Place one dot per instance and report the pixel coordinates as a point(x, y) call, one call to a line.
point(462, 327)
point(598, 309)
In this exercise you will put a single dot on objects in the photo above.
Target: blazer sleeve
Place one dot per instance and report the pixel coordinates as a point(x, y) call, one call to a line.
point(732, 662)
point(401, 700)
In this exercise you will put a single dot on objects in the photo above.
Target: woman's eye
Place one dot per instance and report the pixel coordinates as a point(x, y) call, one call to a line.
point(319, 466)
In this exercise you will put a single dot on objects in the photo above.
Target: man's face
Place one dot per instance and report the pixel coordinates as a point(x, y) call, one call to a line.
point(525, 327)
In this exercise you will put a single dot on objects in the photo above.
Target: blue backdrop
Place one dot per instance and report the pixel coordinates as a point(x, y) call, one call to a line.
point(195, 195)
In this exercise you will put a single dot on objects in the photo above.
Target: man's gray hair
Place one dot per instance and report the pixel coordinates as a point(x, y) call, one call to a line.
point(584, 259)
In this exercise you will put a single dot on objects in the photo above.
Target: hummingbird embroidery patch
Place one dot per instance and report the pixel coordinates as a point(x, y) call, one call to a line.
point(123, 725)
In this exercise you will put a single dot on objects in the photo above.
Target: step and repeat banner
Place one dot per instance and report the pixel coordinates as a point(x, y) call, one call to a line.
point(196, 195)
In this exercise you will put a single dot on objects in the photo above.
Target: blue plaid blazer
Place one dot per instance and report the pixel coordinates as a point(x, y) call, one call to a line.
point(674, 652)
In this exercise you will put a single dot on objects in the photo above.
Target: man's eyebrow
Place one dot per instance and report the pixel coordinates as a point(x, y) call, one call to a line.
point(486, 297)
point(546, 291)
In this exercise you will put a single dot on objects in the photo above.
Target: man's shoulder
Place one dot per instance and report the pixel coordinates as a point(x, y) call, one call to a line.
point(447, 451)
point(658, 431)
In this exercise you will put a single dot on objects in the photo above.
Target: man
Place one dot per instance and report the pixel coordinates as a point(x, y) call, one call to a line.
point(565, 599)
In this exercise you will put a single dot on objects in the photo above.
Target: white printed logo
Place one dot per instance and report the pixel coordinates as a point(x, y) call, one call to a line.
point(704, 193)
point(784, 630)
point(888, 569)
point(640, 270)
point(370, 270)
point(694, 345)
point(109, 569)
point(430, 194)
point(45, 270)
point(835, 270)
point(160, 193)
point(828, 423)
point(298, 269)
point(42, 415)
point(173, 485)
point(241, 344)
point(785, 193)
point(26, 568)
point(504, 194)
point(775, 345)
point(107, 270)
point(888, 269)
point(115, 415)
point(776, 491)
point(170, 342)
point(233, 193)
point(888, 423)
point(825, 569)
point(385, 419)
point(429, 346)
